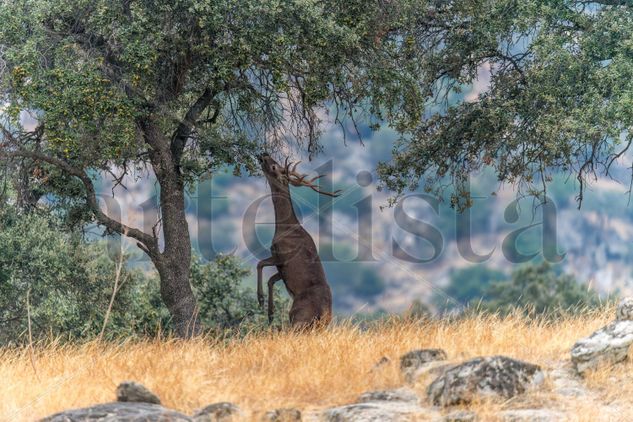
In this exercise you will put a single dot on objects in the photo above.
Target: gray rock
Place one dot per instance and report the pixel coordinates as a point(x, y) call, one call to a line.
point(608, 345)
point(119, 411)
point(415, 358)
point(486, 376)
point(282, 415)
point(414, 363)
point(401, 404)
point(429, 370)
point(400, 394)
point(130, 391)
point(625, 309)
point(460, 416)
point(377, 411)
point(532, 415)
point(566, 382)
point(218, 412)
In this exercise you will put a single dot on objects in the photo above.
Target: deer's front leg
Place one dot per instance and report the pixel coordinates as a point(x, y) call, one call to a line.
point(268, 262)
point(271, 302)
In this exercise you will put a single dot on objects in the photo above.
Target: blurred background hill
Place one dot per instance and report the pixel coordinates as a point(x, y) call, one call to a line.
point(592, 244)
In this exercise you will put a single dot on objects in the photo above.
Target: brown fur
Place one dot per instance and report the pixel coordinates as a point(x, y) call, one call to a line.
point(295, 256)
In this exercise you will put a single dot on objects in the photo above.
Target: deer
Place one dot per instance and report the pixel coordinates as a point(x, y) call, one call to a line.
point(293, 252)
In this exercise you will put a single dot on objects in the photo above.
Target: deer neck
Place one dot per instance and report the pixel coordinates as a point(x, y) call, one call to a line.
point(284, 211)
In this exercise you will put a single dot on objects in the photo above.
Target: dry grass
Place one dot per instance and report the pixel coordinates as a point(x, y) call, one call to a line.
point(308, 371)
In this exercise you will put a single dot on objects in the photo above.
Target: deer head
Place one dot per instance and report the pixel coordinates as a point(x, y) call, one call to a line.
point(287, 174)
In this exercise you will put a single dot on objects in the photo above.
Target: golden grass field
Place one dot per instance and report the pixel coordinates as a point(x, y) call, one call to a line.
point(309, 371)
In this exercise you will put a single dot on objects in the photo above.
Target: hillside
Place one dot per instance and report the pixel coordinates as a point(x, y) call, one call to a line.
point(226, 216)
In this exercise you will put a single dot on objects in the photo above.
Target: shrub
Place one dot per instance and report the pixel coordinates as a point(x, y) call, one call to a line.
point(225, 304)
point(467, 285)
point(69, 284)
point(538, 289)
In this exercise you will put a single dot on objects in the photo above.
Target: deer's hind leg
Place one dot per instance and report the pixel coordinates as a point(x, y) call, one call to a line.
point(271, 303)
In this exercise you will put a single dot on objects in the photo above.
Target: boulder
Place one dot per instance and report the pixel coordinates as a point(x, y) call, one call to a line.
point(282, 415)
point(566, 382)
point(400, 394)
point(608, 345)
point(460, 416)
point(130, 391)
point(625, 310)
point(486, 376)
point(416, 362)
point(119, 411)
point(218, 412)
point(376, 412)
point(532, 415)
point(390, 405)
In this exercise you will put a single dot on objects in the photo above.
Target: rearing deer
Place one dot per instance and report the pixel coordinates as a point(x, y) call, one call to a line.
point(294, 252)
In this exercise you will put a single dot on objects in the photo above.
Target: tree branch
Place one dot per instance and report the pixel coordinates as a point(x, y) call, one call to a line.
point(150, 242)
point(183, 131)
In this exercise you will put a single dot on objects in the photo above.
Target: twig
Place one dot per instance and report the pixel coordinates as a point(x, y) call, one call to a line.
point(28, 317)
point(115, 290)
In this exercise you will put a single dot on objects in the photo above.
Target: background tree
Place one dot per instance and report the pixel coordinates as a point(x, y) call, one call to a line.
point(539, 289)
point(179, 88)
point(467, 285)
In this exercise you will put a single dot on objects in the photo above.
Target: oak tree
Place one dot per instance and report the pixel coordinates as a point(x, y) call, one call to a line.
point(179, 88)
point(559, 98)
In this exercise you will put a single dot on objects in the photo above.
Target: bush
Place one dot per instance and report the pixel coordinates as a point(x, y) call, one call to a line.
point(538, 289)
point(224, 303)
point(467, 285)
point(69, 284)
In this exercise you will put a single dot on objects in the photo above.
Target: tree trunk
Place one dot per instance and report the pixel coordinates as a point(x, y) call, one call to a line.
point(175, 267)
point(174, 262)
point(177, 295)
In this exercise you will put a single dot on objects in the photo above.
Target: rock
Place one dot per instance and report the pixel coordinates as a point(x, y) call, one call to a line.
point(428, 370)
point(130, 391)
point(532, 415)
point(377, 411)
point(460, 416)
point(566, 382)
point(608, 345)
point(625, 309)
point(415, 358)
point(119, 411)
point(400, 394)
point(486, 376)
point(401, 404)
point(282, 415)
point(217, 412)
point(412, 364)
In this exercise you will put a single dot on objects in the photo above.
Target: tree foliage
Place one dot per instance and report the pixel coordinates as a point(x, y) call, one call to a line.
point(468, 285)
point(225, 304)
point(538, 289)
point(214, 76)
point(69, 284)
point(560, 95)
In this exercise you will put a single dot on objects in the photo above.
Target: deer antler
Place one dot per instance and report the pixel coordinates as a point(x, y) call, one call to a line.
point(298, 179)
